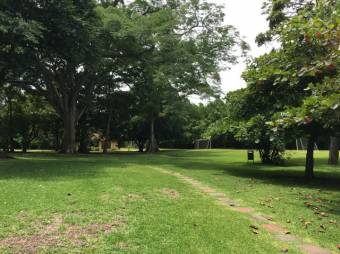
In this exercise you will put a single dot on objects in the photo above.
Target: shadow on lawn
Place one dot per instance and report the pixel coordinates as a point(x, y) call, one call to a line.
point(49, 167)
point(292, 177)
point(286, 176)
point(289, 176)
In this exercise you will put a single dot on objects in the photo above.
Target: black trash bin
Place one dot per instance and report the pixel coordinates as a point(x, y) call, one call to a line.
point(251, 155)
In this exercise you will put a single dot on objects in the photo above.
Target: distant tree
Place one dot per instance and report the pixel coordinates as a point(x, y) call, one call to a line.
point(183, 44)
point(111, 116)
point(138, 131)
point(12, 100)
point(245, 113)
point(24, 118)
point(334, 148)
point(33, 114)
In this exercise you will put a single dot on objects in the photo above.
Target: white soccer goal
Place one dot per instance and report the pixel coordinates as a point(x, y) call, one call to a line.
point(301, 144)
point(203, 144)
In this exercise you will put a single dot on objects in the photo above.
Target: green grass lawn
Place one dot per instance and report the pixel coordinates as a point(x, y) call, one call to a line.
point(122, 203)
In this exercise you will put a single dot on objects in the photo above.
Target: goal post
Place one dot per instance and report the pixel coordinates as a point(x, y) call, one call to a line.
point(301, 144)
point(203, 144)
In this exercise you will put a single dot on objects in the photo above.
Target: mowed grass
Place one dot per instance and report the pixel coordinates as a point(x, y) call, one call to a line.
point(122, 203)
point(310, 209)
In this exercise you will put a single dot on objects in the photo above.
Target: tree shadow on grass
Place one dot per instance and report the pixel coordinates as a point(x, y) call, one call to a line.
point(325, 180)
point(49, 167)
point(289, 177)
point(290, 174)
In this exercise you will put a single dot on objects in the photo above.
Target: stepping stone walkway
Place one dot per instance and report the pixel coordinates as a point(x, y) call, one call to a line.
point(266, 223)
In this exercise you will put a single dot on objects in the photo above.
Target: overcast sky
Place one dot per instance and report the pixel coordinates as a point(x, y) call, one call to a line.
point(246, 16)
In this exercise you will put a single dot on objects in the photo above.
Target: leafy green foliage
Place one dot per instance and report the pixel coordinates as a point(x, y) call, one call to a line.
point(180, 47)
point(311, 44)
point(26, 121)
point(72, 50)
point(293, 90)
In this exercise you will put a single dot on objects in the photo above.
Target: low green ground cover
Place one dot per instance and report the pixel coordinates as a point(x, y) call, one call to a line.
point(121, 203)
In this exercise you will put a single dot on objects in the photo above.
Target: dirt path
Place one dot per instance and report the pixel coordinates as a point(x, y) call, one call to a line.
point(265, 222)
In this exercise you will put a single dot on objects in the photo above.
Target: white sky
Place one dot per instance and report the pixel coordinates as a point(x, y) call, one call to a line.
point(246, 16)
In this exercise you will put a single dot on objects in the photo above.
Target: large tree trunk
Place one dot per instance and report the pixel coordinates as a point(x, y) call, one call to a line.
point(24, 146)
point(107, 140)
point(334, 151)
point(56, 140)
point(10, 126)
point(106, 144)
point(140, 145)
point(153, 146)
point(309, 170)
point(265, 154)
point(84, 140)
point(70, 120)
point(25, 143)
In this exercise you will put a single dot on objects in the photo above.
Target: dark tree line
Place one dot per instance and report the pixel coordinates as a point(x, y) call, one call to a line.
point(78, 57)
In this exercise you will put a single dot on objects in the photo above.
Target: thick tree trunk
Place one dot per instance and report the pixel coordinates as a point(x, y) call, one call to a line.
point(83, 147)
point(56, 140)
point(84, 140)
point(309, 170)
point(10, 126)
point(265, 155)
point(140, 145)
point(107, 141)
point(105, 145)
point(25, 143)
point(70, 120)
point(153, 146)
point(334, 151)
point(24, 147)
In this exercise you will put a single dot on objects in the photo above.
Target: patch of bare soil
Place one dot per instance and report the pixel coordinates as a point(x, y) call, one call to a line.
point(171, 193)
point(77, 235)
point(134, 197)
point(122, 246)
point(22, 216)
point(28, 244)
point(50, 235)
point(106, 197)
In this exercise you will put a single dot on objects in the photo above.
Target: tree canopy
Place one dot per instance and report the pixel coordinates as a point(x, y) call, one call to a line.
point(80, 54)
point(293, 90)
